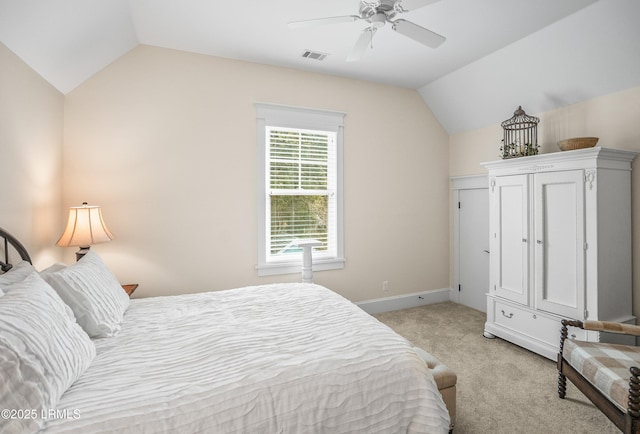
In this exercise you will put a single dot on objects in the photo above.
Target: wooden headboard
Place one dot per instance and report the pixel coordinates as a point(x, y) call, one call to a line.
point(17, 245)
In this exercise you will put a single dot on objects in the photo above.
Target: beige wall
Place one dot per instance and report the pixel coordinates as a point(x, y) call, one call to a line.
point(31, 120)
point(165, 141)
point(613, 118)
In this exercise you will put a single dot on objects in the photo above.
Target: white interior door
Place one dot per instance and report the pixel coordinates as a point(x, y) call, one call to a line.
point(474, 247)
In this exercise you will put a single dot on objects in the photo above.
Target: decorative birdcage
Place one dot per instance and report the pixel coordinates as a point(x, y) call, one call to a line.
point(520, 135)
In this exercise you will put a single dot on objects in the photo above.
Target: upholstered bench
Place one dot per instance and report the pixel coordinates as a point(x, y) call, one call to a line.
point(608, 374)
point(446, 380)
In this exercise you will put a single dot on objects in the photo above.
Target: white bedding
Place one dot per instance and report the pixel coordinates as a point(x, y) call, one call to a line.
point(285, 358)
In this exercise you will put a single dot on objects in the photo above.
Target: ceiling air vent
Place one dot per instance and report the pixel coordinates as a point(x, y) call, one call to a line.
point(308, 54)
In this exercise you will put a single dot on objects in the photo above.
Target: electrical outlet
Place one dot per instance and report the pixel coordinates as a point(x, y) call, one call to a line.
point(385, 286)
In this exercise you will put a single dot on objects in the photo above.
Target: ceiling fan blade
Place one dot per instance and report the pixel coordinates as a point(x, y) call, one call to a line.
point(323, 21)
point(417, 33)
point(409, 5)
point(363, 42)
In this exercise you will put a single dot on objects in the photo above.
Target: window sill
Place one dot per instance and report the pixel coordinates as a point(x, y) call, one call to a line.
point(272, 269)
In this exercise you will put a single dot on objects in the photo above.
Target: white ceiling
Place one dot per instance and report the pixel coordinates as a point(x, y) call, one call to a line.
point(68, 41)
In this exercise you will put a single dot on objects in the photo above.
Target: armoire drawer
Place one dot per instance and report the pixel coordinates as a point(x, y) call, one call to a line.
point(532, 323)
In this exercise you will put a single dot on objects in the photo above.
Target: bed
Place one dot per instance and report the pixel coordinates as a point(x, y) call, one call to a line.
point(279, 358)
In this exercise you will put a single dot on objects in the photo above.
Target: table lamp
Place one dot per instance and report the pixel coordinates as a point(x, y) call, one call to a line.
point(84, 228)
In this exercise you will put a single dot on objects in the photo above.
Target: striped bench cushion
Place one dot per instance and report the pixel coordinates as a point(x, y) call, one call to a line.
point(606, 366)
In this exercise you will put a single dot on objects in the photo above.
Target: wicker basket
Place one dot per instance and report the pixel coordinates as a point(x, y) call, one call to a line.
point(577, 143)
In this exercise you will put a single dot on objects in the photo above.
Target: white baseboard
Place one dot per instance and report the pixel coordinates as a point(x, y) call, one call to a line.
point(405, 301)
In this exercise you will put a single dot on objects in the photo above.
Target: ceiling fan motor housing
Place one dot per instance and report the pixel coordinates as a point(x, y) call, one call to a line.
point(377, 13)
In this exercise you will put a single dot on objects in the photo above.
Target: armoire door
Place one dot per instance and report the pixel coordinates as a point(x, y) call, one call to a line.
point(559, 242)
point(509, 237)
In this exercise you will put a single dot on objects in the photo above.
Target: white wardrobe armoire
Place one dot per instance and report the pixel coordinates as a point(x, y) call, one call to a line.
point(560, 237)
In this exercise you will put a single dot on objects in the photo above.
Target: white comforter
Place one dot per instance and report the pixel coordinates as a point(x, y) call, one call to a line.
point(286, 358)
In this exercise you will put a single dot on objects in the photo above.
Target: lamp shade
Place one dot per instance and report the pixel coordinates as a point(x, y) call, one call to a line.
point(85, 227)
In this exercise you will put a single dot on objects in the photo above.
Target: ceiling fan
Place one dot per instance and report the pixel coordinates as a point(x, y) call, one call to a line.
point(377, 14)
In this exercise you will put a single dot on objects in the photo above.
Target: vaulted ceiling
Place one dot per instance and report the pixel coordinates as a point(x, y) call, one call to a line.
point(567, 50)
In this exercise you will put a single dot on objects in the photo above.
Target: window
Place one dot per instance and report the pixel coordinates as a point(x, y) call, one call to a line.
point(300, 191)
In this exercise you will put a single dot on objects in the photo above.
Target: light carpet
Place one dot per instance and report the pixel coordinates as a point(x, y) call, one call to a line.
point(502, 388)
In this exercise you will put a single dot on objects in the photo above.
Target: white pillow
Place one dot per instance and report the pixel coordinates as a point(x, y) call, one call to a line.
point(18, 273)
point(93, 293)
point(53, 268)
point(42, 352)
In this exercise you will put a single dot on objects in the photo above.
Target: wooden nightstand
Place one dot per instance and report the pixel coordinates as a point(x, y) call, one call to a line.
point(129, 289)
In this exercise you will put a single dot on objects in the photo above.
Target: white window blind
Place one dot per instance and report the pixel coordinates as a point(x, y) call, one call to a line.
point(301, 190)
point(300, 187)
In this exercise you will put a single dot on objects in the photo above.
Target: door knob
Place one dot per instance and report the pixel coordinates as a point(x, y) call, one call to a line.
point(486, 251)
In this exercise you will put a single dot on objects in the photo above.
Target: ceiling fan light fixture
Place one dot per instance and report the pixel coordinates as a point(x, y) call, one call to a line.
point(377, 20)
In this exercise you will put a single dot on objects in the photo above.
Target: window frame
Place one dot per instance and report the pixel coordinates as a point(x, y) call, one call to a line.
point(274, 115)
